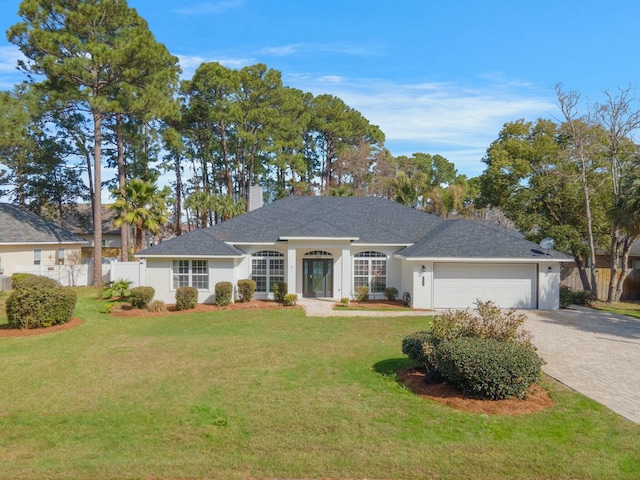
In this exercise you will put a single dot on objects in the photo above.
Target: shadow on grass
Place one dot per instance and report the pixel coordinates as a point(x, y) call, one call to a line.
point(391, 365)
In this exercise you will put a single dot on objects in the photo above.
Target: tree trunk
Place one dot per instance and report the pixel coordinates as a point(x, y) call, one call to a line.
point(139, 237)
point(178, 230)
point(613, 265)
point(582, 271)
point(124, 228)
point(624, 273)
point(97, 200)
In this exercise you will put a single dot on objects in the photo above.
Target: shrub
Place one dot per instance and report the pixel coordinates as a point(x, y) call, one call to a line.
point(569, 297)
point(489, 322)
point(186, 298)
point(157, 306)
point(362, 293)
point(224, 292)
point(280, 289)
point(246, 289)
point(16, 278)
point(487, 367)
point(391, 293)
point(413, 346)
point(117, 288)
point(344, 302)
point(39, 302)
point(290, 299)
point(141, 296)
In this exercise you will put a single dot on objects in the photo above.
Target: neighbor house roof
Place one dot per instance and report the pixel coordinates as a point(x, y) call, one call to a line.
point(20, 226)
point(470, 239)
point(80, 220)
point(363, 220)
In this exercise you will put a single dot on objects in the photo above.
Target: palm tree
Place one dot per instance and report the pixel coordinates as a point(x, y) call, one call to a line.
point(143, 206)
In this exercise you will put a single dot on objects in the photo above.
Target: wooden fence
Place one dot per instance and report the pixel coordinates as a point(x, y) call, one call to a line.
point(571, 278)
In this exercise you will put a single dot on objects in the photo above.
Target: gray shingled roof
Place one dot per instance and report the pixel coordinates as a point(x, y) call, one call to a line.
point(80, 220)
point(20, 226)
point(369, 219)
point(469, 239)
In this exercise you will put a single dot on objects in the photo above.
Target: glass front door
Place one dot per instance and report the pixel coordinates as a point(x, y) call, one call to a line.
point(318, 277)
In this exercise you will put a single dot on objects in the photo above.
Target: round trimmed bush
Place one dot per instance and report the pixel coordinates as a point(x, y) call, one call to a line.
point(39, 302)
point(487, 367)
point(413, 346)
point(280, 289)
point(17, 278)
point(224, 292)
point(290, 299)
point(246, 289)
point(140, 297)
point(186, 298)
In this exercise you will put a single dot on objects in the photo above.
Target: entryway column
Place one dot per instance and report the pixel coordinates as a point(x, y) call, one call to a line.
point(291, 271)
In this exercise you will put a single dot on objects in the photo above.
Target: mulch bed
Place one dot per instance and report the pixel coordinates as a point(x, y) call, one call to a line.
point(125, 310)
point(537, 398)
point(6, 332)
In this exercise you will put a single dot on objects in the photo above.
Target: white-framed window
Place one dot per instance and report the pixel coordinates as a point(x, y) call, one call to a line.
point(267, 269)
point(37, 256)
point(370, 270)
point(190, 273)
point(60, 256)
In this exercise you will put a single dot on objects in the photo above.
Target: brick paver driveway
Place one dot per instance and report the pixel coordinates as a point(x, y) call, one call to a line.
point(595, 353)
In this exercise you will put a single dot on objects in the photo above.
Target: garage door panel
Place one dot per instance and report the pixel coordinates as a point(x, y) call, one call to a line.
point(461, 285)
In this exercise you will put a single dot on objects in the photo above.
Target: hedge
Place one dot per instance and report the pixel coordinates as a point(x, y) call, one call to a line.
point(487, 367)
point(224, 293)
point(186, 298)
point(140, 297)
point(39, 302)
point(246, 289)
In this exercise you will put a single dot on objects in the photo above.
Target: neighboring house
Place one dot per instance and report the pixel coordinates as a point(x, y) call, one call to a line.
point(80, 222)
point(30, 243)
point(327, 246)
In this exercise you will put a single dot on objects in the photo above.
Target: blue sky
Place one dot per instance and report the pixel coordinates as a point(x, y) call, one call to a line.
point(436, 76)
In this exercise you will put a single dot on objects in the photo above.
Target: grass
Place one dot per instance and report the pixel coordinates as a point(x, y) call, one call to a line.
point(632, 309)
point(270, 394)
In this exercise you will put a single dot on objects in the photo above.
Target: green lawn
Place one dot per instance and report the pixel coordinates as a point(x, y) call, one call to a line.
point(631, 309)
point(270, 394)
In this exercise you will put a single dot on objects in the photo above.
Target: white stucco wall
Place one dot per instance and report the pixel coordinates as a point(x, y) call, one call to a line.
point(549, 286)
point(159, 276)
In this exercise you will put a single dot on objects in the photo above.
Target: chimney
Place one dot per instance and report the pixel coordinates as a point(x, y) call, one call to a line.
point(255, 197)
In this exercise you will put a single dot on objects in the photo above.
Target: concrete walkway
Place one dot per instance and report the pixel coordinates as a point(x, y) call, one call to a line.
point(593, 352)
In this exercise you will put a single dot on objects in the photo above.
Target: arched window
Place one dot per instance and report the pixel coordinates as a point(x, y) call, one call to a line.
point(267, 269)
point(318, 254)
point(370, 270)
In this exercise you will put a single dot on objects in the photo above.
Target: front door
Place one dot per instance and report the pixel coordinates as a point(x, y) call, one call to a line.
point(317, 277)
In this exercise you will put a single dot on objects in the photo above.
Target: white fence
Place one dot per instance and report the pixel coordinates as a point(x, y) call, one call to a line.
point(67, 275)
point(135, 272)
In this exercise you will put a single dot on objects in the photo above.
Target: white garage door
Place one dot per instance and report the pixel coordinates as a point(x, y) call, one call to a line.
point(457, 285)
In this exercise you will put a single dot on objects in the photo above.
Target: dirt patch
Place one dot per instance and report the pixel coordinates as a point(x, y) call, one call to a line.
point(537, 398)
point(5, 331)
point(125, 310)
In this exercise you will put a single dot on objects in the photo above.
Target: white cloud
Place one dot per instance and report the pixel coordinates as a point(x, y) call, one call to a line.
point(344, 49)
point(9, 57)
point(454, 120)
point(189, 63)
point(209, 8)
